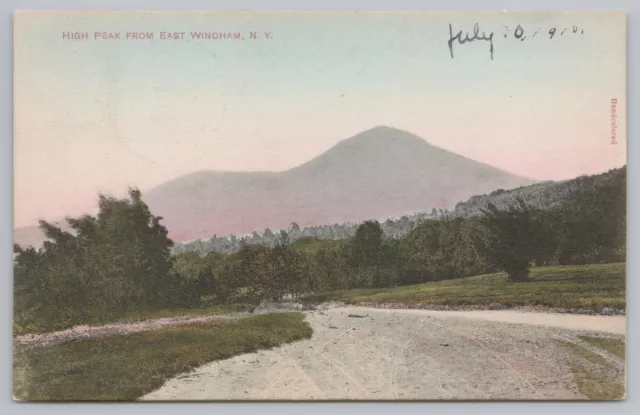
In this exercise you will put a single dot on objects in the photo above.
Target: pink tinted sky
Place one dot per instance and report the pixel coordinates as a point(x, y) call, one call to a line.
point(98, 116)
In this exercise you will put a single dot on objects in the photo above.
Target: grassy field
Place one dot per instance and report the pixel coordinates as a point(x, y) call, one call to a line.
point(128, 367)
point(594, 375)
point(589, 287)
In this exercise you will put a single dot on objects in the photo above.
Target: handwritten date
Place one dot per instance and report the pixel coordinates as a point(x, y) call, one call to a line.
point(460, 37)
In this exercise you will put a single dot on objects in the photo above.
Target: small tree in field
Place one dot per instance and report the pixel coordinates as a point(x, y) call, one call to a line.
point(366, 247)
point(511, 245)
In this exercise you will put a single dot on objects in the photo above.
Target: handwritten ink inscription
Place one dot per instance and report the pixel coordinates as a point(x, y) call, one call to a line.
point(476, 36)
point(461, 37)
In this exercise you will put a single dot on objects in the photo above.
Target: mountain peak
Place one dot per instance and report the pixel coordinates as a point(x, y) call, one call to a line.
point(385, 131)
point(383, 128)
point(385, 138)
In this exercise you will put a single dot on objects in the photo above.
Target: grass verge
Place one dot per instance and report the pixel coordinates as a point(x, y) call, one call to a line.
point(595, 377)
point(586, 287)
point(596, 385)
point(185, 312)
point(128, 367)
point(613, 346)
point(583, 352)
point(138, 316)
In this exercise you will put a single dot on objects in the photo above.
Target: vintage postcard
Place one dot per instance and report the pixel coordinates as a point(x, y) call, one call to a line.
point(319, 205)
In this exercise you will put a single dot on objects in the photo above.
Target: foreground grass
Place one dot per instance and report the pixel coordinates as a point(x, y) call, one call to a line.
point(128, 367)
point(596, 385)
point(613, 346)
point(588, 287)
point(595, 377)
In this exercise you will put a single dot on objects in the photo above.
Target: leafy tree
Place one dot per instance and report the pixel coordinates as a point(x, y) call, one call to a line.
point(267, 234)
point(511, 239)
point(115, 262)
point(367, 244)
point(283, 239)
point(253, 270)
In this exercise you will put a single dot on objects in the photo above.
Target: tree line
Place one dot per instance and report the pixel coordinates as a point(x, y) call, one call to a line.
point(392, 227)
point(120, 261)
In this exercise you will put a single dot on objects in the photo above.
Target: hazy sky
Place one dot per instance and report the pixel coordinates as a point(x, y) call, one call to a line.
point(102, 115)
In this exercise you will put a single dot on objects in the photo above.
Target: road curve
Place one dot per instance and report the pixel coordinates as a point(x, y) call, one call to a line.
point(582, 322)
point(381, 354)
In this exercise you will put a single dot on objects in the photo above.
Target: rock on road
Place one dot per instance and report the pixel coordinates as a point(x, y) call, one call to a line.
point(404, 354)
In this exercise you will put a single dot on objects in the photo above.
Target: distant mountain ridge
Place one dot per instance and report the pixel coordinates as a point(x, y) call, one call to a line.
point(380, 172)
point(544, 196)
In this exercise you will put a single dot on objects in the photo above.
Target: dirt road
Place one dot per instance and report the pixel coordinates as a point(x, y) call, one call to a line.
point(372, 354)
